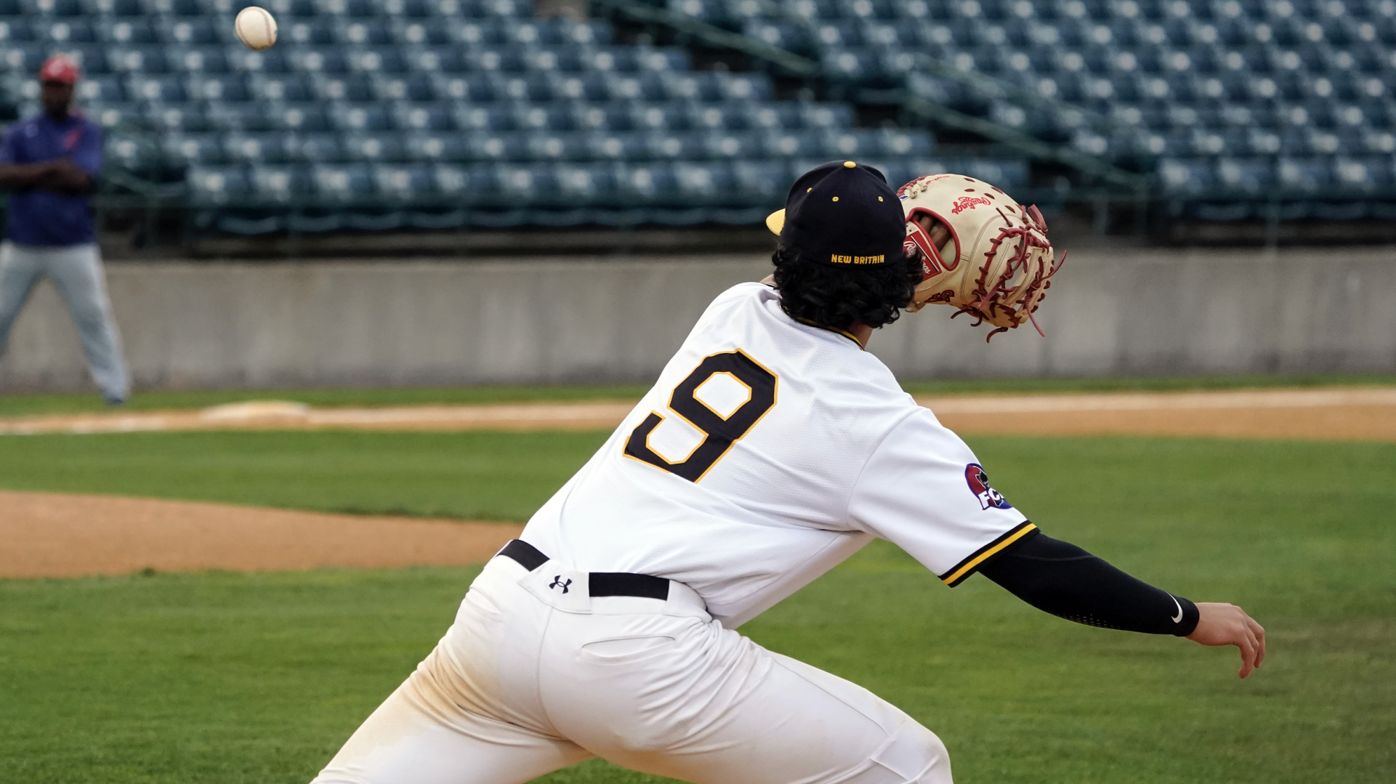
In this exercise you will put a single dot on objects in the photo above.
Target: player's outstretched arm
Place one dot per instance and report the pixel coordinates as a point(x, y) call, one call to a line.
point(1062, 579)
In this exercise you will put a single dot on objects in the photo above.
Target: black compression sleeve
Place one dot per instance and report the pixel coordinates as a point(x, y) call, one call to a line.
point(1062, 579)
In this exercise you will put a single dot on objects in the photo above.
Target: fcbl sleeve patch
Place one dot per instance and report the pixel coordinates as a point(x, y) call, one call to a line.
point(978, 482)
point(925, 491)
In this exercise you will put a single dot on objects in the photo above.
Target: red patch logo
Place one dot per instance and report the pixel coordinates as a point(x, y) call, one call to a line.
point(71, 139)
point(968, 203)
point(978, 482)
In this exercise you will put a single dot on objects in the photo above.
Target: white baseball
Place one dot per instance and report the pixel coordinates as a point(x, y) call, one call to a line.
point(255, 27)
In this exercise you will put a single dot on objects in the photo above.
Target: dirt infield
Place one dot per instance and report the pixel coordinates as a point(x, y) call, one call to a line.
point(49, 535)
point(63, 536)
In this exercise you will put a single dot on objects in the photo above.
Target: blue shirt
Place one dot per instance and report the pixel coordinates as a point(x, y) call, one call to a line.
point(38, 217)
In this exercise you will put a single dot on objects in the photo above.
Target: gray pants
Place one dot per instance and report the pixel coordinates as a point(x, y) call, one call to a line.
point(77, 272)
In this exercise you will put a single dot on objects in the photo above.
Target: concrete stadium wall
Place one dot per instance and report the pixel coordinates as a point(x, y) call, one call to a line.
point(201, 325)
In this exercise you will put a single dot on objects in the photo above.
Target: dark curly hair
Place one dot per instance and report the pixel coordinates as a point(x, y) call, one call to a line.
point(839, 298)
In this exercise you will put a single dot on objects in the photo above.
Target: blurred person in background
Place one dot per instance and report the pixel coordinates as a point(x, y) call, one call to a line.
point(49, 163)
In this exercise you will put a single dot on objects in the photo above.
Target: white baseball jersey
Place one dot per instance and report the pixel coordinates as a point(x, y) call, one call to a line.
point(767, 452)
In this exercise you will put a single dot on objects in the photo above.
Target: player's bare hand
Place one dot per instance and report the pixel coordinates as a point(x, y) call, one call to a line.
point(1220, 623)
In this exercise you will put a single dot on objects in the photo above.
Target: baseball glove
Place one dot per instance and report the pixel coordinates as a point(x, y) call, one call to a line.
point(981, 252)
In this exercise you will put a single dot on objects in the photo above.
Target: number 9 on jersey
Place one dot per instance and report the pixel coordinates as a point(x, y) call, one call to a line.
point(719, 432)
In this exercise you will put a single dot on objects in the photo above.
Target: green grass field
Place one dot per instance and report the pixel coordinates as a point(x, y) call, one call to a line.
point(171, 679)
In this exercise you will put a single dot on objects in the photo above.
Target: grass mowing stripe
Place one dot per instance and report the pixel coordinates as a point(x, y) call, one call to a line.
point(475, 475)
point(258, 678)
point(29, 404)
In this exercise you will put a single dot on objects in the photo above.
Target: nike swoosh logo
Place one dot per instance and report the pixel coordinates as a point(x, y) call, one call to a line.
point(1179, 617)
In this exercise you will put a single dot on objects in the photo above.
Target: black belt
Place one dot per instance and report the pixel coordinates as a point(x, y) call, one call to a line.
point(598, 583)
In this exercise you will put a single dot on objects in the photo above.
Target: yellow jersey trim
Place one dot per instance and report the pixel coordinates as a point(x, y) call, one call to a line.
point(964, 569)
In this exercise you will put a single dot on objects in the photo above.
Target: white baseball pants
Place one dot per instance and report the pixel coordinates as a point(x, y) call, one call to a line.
point(530, 679)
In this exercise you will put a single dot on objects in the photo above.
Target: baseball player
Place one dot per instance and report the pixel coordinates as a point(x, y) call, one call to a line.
point(771, 448)
point(50, 163)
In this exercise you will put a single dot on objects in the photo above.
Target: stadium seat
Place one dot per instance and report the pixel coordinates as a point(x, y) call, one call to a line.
point(418, 32)
point(177, 8)
point(324, 60)
point(191, 149)
point(554, 116)
point(299, 118)
point(229, 88)
point(62, 30)
point(126, 32)
point(1303, 175)
point(556, 147)
point(1362, 174)
point(254, 148)
point(730, 146)
point(475, 88)
point(374, 147)
point(1251, 177)
point(454, 181)
point(704, 183)
point(646, 183)
point(227, 117)
point(358, 117)
point(760, 182)
point(365, 32)
point(118, 8)
point(313, 31)
point(279, 87)
point(495, 148)
point(713, 12)
point(276, 185)
point(174, 118)
point(139, 155)
point(664, 116)
point(793, 144)
point(345, 183)
point(319, 148)
point(1186, 177)
point(423, 117)
point(601, 117)
point(94, 89)
point(733, 116)
point(211, 187)
point(527, 184)
point(471, 118)
point(788, 35)
point(335, 88)
point(56, 8)
point(681, 146)
point(197, 61)
point(585, 184)
point(619, 147)
point(434, 147)
point(155, 88)
point(244, 60)
point(404, 184)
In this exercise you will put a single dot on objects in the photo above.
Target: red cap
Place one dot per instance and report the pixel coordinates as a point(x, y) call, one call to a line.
point(59, 68)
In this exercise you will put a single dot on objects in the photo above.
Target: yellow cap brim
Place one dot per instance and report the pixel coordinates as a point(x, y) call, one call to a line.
point(776, 221)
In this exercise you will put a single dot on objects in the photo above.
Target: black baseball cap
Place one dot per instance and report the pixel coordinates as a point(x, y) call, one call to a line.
point(842, 214)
